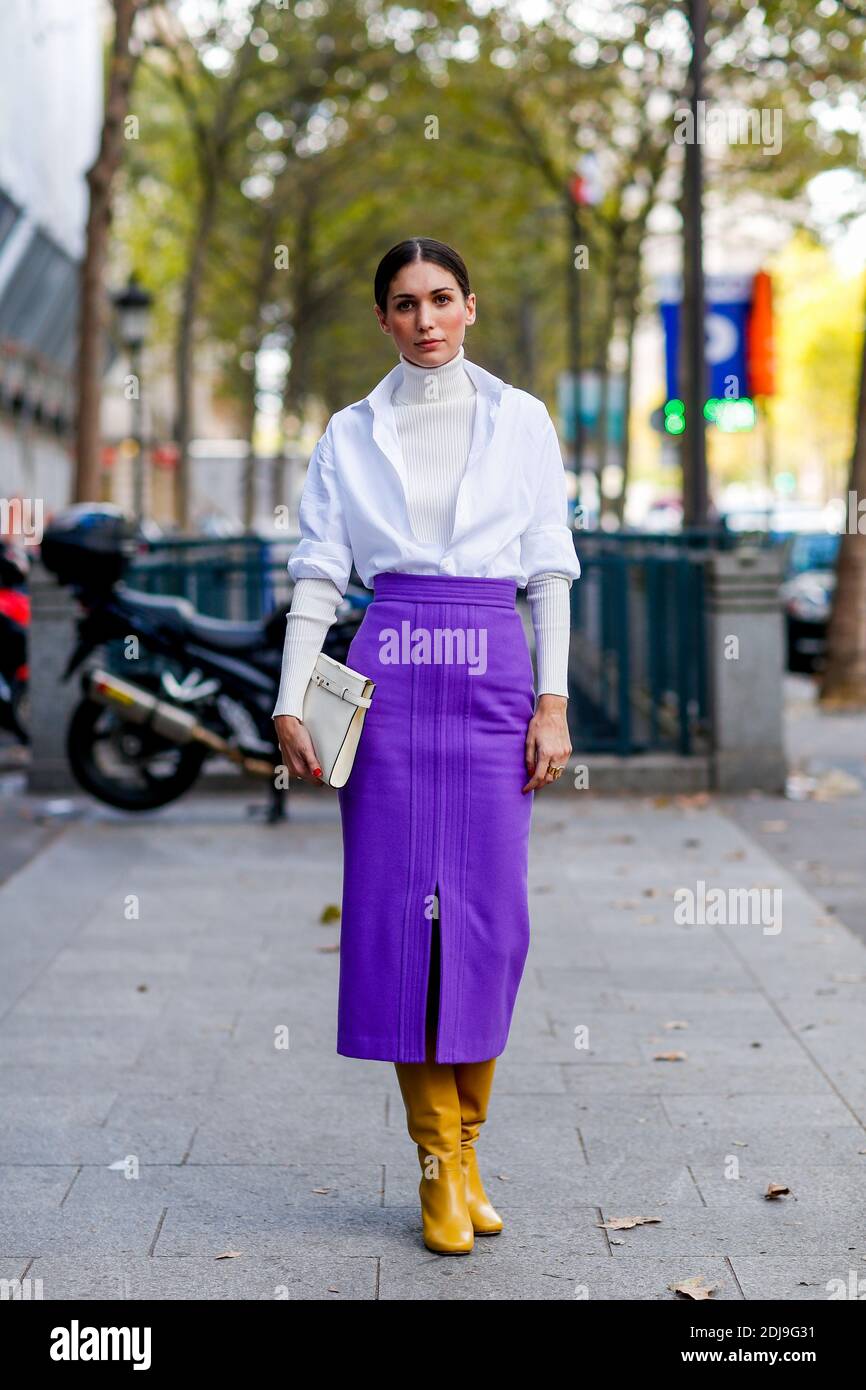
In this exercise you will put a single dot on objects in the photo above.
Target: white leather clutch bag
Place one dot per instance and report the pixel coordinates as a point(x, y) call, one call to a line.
point(335, 704)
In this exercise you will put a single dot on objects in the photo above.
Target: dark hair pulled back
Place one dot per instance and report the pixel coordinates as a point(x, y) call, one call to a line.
point(418, 248)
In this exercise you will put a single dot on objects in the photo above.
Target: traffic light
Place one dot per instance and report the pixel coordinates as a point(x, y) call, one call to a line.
point(735, 416)
point(675, 417)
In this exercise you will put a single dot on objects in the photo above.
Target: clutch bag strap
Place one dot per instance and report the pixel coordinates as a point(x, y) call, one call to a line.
point(342, 691)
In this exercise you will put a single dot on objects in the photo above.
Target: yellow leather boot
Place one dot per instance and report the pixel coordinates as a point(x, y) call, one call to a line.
point(474, 1082)
point(433, 1116)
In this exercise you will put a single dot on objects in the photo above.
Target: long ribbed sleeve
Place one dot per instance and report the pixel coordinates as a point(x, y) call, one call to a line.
point(548, 596)
point(314, 606)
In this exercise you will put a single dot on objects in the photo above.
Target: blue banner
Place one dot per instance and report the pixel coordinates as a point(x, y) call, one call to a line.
point(728, 302)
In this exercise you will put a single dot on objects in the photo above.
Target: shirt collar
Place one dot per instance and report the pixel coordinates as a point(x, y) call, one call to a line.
point(384, 427)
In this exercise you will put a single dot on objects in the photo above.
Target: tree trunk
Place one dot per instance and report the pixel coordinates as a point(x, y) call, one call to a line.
point(262, 291)
point(91, 330)
point(192, 285)
point(214, 141)
point(607, 325)
point(631, 317)
point(843, 683)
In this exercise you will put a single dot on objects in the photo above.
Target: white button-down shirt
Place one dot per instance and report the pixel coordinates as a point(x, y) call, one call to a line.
point(511, 520)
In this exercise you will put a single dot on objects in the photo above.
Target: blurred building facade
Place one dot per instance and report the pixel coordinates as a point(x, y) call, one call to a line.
point(50, 114)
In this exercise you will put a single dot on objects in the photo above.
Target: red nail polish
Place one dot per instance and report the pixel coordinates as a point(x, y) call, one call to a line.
point(318, 771)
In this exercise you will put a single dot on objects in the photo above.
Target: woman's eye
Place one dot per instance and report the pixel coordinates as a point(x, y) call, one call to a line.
point(408, 305)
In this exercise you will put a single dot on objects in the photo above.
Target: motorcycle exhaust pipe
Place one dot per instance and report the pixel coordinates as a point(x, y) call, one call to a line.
point(177, 725)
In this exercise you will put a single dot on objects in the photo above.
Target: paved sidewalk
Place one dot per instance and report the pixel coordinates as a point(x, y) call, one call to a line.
point(145, 1045)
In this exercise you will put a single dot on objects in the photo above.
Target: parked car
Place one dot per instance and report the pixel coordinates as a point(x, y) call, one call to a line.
point(807, 593)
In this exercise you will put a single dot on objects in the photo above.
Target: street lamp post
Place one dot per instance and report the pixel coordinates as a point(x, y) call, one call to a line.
point(133, 308)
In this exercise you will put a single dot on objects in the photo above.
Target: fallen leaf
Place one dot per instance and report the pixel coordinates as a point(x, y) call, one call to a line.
point(776, 1189)
point(836, 783)
point(330, 913)
point(670, 1057)
point(675, 1023)
point(694, 1288)
point(626, 1223)
point(228, 1255)
point(321, 1191)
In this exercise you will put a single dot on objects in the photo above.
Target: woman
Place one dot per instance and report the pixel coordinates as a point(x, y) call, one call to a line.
point(445, 488)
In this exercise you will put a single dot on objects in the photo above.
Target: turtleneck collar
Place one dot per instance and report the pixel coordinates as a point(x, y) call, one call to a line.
point(428, 385)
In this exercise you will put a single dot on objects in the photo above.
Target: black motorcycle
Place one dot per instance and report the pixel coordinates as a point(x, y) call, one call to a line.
point(171, 686)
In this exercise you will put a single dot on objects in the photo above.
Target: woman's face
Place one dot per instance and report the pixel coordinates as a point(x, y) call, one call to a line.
point(427, 315)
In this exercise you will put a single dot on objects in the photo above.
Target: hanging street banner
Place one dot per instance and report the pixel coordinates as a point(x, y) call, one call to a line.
point(738, 342)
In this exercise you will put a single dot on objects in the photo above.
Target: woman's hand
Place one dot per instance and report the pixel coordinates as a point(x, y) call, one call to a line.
point(547, 741)
point(297, 749)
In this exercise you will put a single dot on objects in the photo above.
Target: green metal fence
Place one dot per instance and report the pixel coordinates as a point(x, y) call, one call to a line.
point(242, 578)
point(638, 673)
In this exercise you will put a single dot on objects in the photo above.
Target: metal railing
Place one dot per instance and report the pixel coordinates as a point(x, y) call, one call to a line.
point(237, 577)
point(638, 672)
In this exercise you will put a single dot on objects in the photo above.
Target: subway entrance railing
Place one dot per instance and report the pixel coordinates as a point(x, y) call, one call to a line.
point(638, 669)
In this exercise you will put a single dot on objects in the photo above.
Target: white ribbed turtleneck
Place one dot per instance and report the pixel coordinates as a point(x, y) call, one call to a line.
point(434, 411)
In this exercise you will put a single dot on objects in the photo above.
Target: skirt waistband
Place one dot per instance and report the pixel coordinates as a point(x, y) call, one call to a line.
point(445, 588)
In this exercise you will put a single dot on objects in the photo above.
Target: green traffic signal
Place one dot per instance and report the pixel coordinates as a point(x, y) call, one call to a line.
point(730, 416)
point(736, 415)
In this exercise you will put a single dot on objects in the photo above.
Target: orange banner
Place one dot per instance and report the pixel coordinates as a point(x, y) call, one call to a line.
point(761, 349)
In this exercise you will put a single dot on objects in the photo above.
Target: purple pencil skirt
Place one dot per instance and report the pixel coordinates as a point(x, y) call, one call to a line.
point(433, 808)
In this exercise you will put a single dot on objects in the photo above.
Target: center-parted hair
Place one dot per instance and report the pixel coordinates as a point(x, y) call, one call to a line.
point(419, 248)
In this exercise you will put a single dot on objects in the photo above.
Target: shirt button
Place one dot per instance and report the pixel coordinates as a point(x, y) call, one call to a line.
point(448, 566)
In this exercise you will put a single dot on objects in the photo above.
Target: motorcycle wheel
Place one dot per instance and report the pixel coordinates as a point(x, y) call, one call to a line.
point(128, 765)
